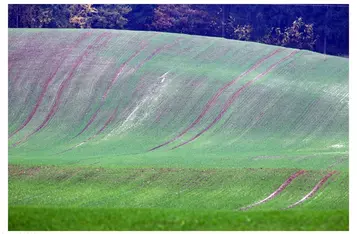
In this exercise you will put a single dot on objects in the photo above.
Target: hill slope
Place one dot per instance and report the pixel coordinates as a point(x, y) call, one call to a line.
point(104, 94)
point(124, 119)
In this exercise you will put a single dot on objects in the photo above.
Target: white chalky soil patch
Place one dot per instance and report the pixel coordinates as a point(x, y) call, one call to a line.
point(337, 146)
point(143, 108)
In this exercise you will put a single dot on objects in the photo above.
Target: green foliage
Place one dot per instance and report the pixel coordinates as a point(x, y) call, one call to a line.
point(326, 28)
point(111, 16)
point(141, 17)
point(179, 18)
point(31, 15)
point(68, 16)
point(299, 35)
point(81, 15)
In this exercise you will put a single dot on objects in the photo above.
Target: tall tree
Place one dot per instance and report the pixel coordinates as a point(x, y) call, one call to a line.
point(111, 16)
point(181, 19)
point(81, 15)
point(243, 22)
point(30, 16)
point(141, 16)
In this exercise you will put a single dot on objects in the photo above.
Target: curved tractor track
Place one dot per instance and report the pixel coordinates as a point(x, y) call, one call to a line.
point(214, 99)
point(233, 97)
point(65, 83)
point(276, 192)
point(106, 94)
point(314, 190)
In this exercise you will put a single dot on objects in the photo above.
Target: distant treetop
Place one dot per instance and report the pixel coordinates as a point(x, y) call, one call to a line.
point(321, 28)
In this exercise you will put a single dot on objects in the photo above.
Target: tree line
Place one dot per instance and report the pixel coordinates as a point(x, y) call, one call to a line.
point(321, 28)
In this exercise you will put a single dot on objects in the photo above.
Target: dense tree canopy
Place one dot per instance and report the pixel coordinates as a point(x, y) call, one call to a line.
point(322, 28)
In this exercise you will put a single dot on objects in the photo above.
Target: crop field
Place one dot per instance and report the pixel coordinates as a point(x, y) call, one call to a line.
point(130, 130)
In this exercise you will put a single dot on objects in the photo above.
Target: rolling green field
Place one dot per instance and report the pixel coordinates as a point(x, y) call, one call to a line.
point(129, 130)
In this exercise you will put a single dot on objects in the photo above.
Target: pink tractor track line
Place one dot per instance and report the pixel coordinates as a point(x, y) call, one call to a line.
point(109, 120)
point(276, 192)
point(101, 45)
point(13, 57)
point(111, 84)
point(118, 73)
point(48, 81)
point(314, 190)
point(154, 53)
point(62, 87)
point(214, 99)
point(233, 97)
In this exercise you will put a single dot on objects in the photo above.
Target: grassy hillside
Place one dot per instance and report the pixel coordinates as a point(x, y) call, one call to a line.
point(124, 119)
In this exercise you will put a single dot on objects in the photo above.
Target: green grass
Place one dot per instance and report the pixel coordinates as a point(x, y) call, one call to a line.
point(174, 188)
point(135, 219)
point(299, 108)
point(293, 118)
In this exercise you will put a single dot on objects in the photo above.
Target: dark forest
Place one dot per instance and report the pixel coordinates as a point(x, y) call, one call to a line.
point(320, 28)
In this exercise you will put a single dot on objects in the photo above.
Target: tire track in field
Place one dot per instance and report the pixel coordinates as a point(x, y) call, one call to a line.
point(197, 84)
point(276, 192)
point(48, 81)
point(154, 53)
point(111, 84)
point(314, 190)
point(62, 87)
point(24, 88)
point(23, 57)
point(14, 57)
point(109, 120)
point(234, 96)
point(214, 99)
point(143, 86)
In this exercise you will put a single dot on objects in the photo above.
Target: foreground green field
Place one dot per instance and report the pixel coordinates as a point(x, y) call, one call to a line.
point(171, 199)
point(215, 189)
point(79, 219)
point(124, 130)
